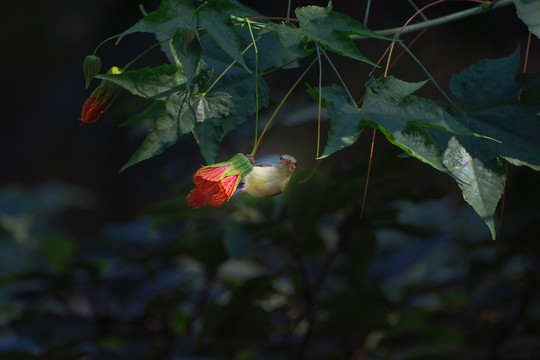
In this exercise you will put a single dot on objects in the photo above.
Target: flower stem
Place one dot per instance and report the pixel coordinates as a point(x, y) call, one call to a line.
point(226, 70)
point(256, 83)
point(104, 41)
point(143, 53)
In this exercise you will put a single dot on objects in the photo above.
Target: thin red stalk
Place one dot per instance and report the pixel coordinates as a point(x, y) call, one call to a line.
point(368, 173)
point(435, 3)
point(526, 61)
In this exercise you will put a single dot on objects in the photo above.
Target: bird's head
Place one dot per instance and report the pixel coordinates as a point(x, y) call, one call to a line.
point(288, 160)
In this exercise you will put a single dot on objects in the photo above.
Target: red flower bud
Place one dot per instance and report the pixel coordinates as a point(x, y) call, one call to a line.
point(100, 100)
point(91, 67)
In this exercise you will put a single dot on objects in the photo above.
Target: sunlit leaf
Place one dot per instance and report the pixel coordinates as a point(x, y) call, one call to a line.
point(478, 175)
point(149, 82)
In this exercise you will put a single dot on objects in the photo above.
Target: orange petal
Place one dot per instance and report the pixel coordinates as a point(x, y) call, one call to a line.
point(197, 198)
point(229, 184)
point(227, 187)
point(210, 173)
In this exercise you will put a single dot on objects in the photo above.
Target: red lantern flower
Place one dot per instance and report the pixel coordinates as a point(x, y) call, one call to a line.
point(100, 100)
point(216, 183)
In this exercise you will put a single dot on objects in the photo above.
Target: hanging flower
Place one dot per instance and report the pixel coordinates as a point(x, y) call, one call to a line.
point(216, 183)
point(101, 99)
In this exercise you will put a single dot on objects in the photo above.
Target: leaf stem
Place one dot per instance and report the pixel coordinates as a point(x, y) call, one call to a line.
point(288, 11)
point(337, 74)
point(450, 101)
point(256, 84)
point(281, 104)
point(320, 103)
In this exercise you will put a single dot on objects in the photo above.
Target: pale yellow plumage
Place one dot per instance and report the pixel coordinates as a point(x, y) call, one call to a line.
point(269, 180)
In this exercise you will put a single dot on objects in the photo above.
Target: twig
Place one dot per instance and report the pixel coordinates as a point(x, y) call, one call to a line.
point(441, 20)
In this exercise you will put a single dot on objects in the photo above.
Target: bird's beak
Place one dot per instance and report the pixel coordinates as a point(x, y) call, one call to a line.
point(289, 162)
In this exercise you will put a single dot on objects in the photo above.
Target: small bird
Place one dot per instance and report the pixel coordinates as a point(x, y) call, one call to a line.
point(268, 179)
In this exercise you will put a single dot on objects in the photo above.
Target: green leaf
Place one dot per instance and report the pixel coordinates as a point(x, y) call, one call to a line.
point(487, 84)
point(529, 12)
point(390, 103)
point(345, 118)
point(478, 175)
point(241, 89)
point(490, 93)
point(166, 20)
point(330, 29)
point(405, 119)
point(149, 82)
point(183, 111)
point(517, 129)
point(241, 86)
point(208, 130)
point(57, 251)
point(151, 112)
point(290, 38)
point(187, 52)
point(214, 16)
point(176, 121)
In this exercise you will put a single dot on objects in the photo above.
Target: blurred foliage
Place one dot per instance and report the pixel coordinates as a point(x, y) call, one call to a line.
point(296, 276)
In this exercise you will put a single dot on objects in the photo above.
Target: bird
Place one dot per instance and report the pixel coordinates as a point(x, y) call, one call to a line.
point(268, 179)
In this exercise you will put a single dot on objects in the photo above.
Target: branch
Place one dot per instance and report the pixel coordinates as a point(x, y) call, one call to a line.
point(442, 20)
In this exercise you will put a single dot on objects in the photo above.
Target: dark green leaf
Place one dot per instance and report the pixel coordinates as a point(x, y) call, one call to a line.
point(517, 130)
point(187, 52)
point(171, 16)
point(183, 112)
point(151, 112)
point(214, 16)
point(58, 251)
point(208, 130)
point(321, 25)
point(345, 118)
point(490, 95)
point(178, 120)
point(290, 38)
point(487, 84)
point(333, 30)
